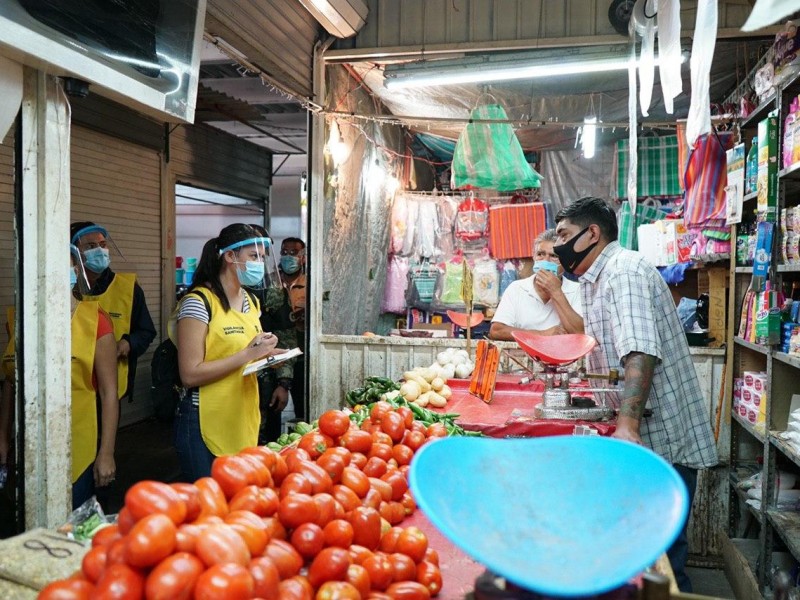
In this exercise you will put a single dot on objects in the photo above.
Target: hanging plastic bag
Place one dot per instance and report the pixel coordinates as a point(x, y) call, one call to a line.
point(489, 155)
point(399, 223)
point(394, 294)
point(507, 276)
point(447, 207)
point(410, 239)
point(450, 284)
point(427, 229)
point(485, 282)
point(422, 279)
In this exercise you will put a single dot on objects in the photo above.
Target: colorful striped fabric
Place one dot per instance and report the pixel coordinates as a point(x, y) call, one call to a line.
point(657, 174)
point(705, 180)
point(513, 227)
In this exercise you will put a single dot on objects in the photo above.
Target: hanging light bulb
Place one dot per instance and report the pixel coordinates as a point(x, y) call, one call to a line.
point(337, 148)
point(589, 136)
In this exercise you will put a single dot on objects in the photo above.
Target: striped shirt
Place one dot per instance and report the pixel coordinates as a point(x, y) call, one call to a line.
point(193, 307)
point(628, 308)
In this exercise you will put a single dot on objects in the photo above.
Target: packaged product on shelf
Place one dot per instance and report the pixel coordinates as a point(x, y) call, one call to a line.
point(786, 57)
point(768, 318)
point(787, 148)
point(789, 247)
point(745, 319)
point(794, 341)
point(742, 243)
point(763, 255)
point(764, 81)
point(751, 168)
point(767, 185)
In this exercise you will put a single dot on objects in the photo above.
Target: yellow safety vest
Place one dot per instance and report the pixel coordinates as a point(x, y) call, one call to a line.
point(84, 407)
point(117, 301)
point(8, 355)
point(229, 414)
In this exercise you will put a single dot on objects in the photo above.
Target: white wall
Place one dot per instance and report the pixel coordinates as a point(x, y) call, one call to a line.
point(195, 225)
point(285, 198)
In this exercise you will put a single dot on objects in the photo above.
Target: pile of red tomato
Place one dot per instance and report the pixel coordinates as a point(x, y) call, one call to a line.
point(319, 520)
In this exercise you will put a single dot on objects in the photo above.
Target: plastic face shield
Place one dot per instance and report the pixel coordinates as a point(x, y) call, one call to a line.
point(250, 256)
point(95, 236)
point(76, 262)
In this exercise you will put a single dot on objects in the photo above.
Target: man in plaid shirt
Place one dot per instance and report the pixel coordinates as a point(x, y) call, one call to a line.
point(629, 309)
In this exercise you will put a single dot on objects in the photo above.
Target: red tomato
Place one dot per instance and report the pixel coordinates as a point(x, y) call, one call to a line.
point(116, 552)
point(366, 524)
point(232, 473)
point(414, 439)
point(106, 535)
point(326, 505)
point(384, 488)
point(379, 437)
point(338, 590)
point(275, 528)
point(373, 595)
point(266, 456)
point(393, 425)
point(356, 441)
point(221, 544)
point(296, 509)
point(382, 451)
point(315, 444)
point(380, 571)
point(419, 426)
point(280, 470)
point(308, 540)
point(295, 588)
point(346, 497)
point(67, 589)
point(389, 540)
point(125, 520)
point(375, 467)
point(259, 473)
point(119, 582)
point(94, 562)
point(356, 481)
point(149, 497)
point(262, 501)
point(251, 528)
point(379, 409)
point(358, 577)
point(403, 567)
point(212, 498)
point(372, 499)
point(150, 541)
point(358, 554)
point(174, 577)
point(412, 542)
point(334, 423)
point(398, 482)
point(339, 451)
point(402, 454)
point(358, 460)
point(436, 430)
point(191, 497)
point(392, 512)
point(329, 565)
point(295, 455)
point(320, 480)
point(408, 590)
point(338, 533)
point(286, 558)
point(428, 574)
point(295, 483)
point(333, 465)
point(409, 504)
point(186, 537)
point(432, 556)
point(366, 425)
point(407, 414)
point(228, 581)
point(265, 577)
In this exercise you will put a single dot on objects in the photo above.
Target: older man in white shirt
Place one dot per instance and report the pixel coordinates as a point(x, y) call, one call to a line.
point(544, 303)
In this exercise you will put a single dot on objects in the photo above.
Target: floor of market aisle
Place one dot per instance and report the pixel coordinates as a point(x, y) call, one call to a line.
point(145, 451)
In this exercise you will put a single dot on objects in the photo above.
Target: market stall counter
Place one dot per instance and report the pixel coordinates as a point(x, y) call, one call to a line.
point(511, 411)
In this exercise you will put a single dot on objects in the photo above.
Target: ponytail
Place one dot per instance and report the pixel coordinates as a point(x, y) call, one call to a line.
point(207, 272)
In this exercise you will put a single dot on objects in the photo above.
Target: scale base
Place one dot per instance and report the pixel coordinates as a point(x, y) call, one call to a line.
point(574, 413)
point(491, 587)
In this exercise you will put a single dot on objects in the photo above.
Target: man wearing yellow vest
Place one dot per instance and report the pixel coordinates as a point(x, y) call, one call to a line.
point(120, 295)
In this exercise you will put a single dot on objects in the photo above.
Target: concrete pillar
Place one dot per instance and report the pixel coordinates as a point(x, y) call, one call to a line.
point(44, 353)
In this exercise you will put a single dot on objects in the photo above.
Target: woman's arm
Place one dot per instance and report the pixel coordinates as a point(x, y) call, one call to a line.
point(105, 368)
point(196, 371)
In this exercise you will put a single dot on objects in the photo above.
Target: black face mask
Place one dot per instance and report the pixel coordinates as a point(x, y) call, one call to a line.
point(569, 257)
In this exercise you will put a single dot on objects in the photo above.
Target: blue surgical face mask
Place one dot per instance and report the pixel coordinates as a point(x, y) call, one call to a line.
point(546, 265)
point(96, 259)
point(252, 275)
point(73, 277)
point(290, 264)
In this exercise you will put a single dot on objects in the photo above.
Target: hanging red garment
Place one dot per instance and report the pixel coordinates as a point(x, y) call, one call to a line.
point(704, 181)
point(513, 227)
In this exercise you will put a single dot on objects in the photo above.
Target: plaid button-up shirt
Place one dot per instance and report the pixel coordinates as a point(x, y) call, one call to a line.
point(629, 308)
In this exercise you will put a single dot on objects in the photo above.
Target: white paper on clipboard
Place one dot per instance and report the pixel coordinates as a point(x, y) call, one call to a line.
point(271, 361)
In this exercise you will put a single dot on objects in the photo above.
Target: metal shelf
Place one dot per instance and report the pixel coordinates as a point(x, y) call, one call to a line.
point(751, 346)
point(760, 433)
point(744, 269)
point(789, 359)
point(787, 525)
point(792, 172)
point(742, 495)
point(750, 196)
point(761, 111)
point(789, 268)
point(784, 447)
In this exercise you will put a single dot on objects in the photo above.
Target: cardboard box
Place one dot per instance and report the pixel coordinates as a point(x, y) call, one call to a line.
point(767, 183)
point(650, 240)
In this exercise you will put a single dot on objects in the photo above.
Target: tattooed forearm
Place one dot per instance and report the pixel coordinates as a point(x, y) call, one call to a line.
point(638, 379)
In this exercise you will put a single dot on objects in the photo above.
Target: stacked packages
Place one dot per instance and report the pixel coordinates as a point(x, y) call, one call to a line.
point(750, 396)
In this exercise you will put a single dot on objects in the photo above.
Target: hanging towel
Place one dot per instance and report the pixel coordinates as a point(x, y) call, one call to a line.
point(513, 227)
point(669, 51)
point(705, 180)
point(705, 38)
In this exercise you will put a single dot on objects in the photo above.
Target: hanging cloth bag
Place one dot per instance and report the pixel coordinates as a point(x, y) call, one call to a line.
point(489, 155)
point(704, 180)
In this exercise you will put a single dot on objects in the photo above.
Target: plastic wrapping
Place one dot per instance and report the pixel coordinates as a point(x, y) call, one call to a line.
point(448, 207)
point(394, 294)
point(485, 282)
point(399, 223)
point(412, 215)
point(428, 230)
point(449, 287)
point(422, 281)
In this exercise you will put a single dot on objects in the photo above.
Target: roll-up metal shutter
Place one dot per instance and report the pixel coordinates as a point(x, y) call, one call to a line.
point(278, 36)
point(6, 231)
point(116, 183)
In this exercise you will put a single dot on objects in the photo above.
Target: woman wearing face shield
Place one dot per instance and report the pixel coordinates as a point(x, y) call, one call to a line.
point(93, 374)
point(218, 333)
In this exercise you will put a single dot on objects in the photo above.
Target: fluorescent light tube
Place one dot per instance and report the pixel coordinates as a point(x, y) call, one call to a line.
point(588, 136)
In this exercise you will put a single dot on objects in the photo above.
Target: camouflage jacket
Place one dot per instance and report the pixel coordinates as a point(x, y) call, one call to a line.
point(275, 312)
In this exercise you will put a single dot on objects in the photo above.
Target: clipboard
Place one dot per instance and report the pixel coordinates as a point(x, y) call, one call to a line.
point(270, 361)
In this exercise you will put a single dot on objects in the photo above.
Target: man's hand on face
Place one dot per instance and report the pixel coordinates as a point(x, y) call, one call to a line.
point(547, 285)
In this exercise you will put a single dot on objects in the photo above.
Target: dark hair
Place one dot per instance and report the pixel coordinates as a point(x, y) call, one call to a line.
point(294, 240)
point(207, 273)
point(591, 211)
point(76, 227)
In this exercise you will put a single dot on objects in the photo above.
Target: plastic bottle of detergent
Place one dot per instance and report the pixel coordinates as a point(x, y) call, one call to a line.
point(751, 167)
point(789, 125)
